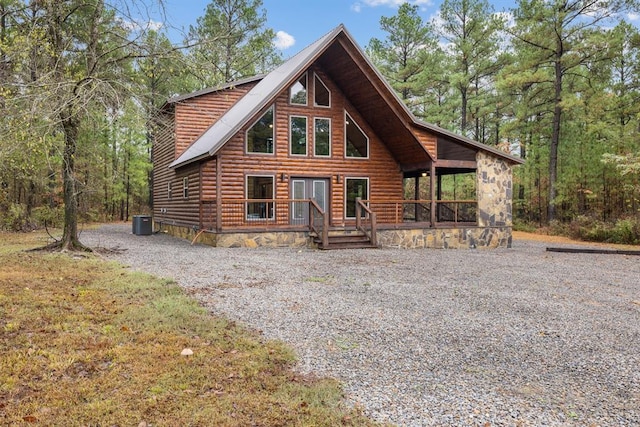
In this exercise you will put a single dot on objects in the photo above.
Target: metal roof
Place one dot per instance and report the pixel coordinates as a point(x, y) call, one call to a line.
point(264, 93)
point(259, 97)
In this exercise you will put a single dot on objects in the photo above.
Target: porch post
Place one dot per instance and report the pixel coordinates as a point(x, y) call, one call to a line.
point(218, 193)
point(416, 196)
point(432, 191)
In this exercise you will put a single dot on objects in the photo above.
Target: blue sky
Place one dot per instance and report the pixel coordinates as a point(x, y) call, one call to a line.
point(300, 22)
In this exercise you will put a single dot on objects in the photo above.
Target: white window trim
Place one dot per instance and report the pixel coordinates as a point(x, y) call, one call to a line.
point(306, 98)
point(346, 178)
point(306, 145)
point(314, 92)
point(314, 137)
point(185, 187)
point(246, 195)
point(169, 191)
point(273, 134)
point(348, 117)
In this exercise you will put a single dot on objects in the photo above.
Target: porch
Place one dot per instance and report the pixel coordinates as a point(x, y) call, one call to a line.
point(390, 223)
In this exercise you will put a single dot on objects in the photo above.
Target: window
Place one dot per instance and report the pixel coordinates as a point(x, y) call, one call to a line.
point(357, 143)
point(169, 190)
point(322, 137)
point(354, 188)
point(298, 135)
point(260, 135)
point(185, 187)
point(298, 91)
point(322, 96)
point(259, 187)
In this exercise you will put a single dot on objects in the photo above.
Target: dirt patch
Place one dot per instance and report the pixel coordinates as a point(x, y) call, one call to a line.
point(546, 238)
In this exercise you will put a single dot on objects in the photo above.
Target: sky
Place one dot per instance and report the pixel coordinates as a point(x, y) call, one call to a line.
point(299, 23)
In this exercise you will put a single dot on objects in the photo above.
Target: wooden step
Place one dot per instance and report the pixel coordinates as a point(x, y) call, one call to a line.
point(346, 241)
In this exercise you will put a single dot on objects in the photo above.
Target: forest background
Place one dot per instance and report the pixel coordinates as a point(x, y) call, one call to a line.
point(555, 82)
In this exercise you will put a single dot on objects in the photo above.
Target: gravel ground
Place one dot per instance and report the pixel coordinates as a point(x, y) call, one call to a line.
point(514, 337)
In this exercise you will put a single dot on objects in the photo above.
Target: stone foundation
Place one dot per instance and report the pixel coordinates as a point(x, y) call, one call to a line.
point(272, 239)
point(428, 238)
point(446, 238)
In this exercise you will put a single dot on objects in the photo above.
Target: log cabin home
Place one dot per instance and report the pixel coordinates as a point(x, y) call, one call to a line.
point(321, 152)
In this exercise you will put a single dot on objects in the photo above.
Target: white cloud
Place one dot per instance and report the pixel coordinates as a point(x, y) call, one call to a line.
point(632, 16)
point(356, 7)
point(283, 40)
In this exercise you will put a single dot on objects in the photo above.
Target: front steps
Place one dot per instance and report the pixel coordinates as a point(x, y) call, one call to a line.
point(345, 240)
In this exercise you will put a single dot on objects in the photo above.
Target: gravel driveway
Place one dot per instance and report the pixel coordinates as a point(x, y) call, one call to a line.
point(515, 337)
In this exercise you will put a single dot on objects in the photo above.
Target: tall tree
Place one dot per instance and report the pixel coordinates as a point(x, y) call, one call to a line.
point(78, 60)
point(231, 41)
point(472, 32)
point(558, 38)
point(402, 56)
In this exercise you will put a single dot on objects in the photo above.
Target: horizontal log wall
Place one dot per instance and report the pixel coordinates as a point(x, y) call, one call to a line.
point(195, 115)
point(385, 177)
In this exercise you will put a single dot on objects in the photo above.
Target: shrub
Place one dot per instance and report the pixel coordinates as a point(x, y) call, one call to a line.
point(14, 217)
point(46, 216)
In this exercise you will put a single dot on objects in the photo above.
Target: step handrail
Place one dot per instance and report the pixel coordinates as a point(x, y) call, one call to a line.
point(323, 233)
point(360, 225)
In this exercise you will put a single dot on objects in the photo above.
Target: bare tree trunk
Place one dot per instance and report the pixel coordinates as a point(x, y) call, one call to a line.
point(555, 136)
point(70, 240)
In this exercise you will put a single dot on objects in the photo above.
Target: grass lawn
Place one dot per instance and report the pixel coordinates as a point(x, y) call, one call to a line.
point(87, 342)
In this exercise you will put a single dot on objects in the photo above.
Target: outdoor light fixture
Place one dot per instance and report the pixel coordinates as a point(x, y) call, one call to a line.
point(283, 177)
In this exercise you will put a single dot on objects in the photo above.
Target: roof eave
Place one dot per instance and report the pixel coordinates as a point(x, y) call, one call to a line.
point(468, 141)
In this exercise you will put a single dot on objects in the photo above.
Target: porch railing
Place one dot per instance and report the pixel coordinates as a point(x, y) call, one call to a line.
point(407, 211)
point(254, 213)
point(306, 214)
point(366, 221)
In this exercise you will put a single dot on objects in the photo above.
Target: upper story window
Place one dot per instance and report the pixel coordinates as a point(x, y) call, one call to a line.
point(298, 135)
point(260, 134)
point(298, 91)
point(322, 137)
point(356, 142)
point(322, 96)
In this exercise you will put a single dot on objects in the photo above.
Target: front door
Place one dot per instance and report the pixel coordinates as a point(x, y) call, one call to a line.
point(304, 189)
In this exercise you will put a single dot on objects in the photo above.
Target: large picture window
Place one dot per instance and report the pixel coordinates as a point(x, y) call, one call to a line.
point(322, 96)
point(298, 135)
point(260, 134)
point(259, 187)
point(322, 137)
point(298, 91)
point(357, 143)
point(354, 188)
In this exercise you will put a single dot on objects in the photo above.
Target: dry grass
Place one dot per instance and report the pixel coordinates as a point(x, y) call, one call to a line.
point(85, 342)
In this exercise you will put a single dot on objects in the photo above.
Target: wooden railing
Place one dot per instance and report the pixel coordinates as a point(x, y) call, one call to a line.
point(456, 211)
point(307, 214)
point(254, 213)
point(319, 222)
point(407, 211)
point(366, 221)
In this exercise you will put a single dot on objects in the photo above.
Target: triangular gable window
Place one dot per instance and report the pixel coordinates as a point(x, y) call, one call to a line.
point(298, 91)
point(322, 95)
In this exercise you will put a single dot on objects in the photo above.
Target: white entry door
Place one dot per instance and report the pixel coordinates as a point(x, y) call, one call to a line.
point(304, 189)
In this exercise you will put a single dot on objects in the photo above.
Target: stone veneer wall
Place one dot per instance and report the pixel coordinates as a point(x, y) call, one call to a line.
point(446, 238)
point(274, 239)
point(494, 191)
